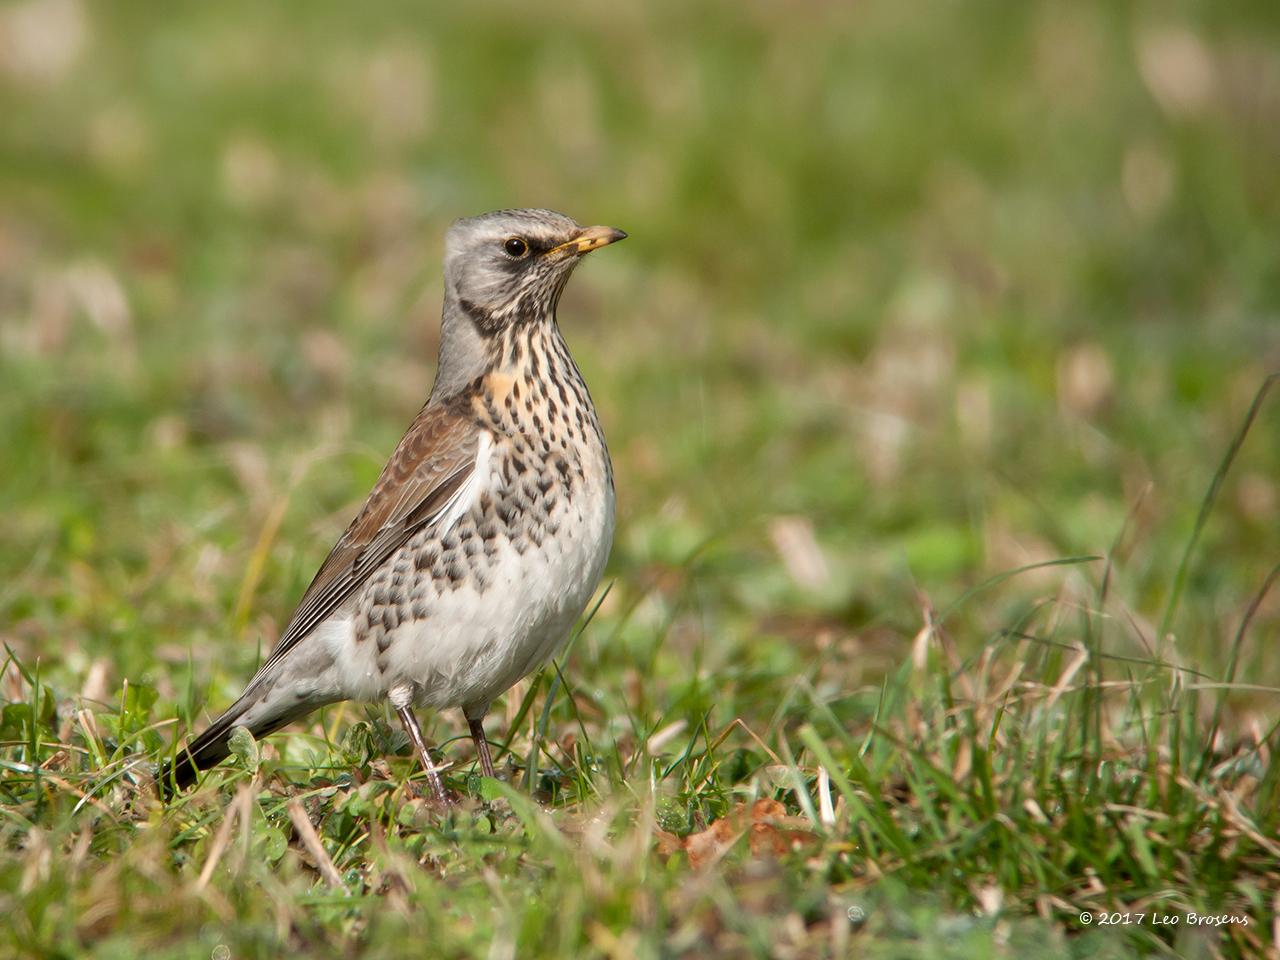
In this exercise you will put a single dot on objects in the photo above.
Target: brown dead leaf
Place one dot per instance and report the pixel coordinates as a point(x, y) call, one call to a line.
point(771, 833)
point(767, 841)
point(766, 810)
point(668, 843)
point(712, 843)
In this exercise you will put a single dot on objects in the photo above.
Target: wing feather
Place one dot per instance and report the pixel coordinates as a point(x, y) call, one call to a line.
point(434, 460)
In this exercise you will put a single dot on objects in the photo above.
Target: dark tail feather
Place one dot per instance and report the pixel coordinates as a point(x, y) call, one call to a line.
point(198, 754)
point(211, 746)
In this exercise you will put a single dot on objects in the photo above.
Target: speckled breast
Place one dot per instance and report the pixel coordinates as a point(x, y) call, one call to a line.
point(463, 614)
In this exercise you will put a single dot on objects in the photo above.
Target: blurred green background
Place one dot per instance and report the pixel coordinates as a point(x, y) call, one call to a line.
point(914, 294)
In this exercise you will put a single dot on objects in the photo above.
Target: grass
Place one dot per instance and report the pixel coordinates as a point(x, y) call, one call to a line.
point(937, 372)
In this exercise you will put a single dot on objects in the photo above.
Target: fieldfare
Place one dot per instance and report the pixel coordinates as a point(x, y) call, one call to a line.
point(487, 532)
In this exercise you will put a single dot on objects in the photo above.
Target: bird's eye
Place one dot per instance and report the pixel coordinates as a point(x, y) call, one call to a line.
point(515, 247)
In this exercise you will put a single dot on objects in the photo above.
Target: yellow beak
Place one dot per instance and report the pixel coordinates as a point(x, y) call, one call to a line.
point(588, 240)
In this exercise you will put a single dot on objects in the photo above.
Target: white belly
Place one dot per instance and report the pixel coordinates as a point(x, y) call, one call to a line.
point(476, 640)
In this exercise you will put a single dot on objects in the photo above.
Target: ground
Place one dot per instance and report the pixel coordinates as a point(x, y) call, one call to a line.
point(941, 620)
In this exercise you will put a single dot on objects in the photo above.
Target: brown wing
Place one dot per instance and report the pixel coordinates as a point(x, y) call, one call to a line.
point(434, 459)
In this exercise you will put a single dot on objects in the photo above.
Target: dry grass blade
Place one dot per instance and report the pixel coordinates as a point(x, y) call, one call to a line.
point(311, 840)
point(235, 809)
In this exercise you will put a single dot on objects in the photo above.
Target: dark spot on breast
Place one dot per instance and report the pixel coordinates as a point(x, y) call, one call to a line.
point(481, 317)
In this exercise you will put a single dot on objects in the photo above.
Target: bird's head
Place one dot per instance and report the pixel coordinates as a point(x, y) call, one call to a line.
point(504, 271)
point(510, 266)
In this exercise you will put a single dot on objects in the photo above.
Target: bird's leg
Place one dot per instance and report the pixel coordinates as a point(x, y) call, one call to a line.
point(420, 746)
point(482, 745)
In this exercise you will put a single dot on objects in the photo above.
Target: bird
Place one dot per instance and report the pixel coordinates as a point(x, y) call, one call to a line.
point(487, 531)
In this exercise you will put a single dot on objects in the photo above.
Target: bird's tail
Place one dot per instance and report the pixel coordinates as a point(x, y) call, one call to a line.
point(253, 710)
